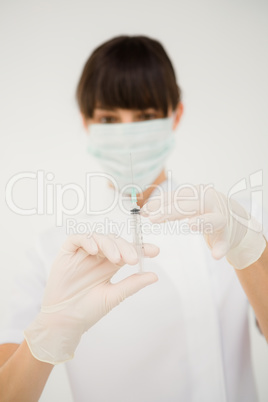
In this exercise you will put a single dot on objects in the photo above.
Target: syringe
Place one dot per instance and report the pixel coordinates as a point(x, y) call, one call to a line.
point(136, 223)
point(136, 227)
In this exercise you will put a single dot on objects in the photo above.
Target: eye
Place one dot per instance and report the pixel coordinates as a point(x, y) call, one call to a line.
point(107, 119)
point(147, 116)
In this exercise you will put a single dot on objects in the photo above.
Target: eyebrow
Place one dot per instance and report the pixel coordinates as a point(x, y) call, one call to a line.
point(105, 108)
point(113, 109)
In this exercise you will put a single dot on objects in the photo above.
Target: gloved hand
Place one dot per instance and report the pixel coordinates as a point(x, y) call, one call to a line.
point(79, 292)
point(232, 233)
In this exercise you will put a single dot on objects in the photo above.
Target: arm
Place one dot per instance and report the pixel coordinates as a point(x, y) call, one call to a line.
point(254, 280)
point(6, 351)
point(22, 377)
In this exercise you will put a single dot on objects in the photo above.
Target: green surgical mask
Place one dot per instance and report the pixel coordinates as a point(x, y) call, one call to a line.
point(148, 142)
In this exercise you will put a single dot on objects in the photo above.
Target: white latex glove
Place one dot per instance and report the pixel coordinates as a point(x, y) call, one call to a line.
point(234, 235)
point(79, 292)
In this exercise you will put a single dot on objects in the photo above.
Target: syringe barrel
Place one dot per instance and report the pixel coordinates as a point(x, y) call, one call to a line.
point(137, 235)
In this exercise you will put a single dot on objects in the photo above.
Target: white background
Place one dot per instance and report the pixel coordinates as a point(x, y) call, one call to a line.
point(219, 50)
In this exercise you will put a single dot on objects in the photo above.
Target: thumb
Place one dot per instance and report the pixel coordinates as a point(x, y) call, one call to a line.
point(220, 249)
point(127, 287)
point(218, 243)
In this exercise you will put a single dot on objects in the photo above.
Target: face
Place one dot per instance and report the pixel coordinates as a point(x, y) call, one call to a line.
point(115, 115)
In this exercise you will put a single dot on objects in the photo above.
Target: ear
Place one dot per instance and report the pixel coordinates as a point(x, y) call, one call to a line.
point(84, 121)
point(178, 113)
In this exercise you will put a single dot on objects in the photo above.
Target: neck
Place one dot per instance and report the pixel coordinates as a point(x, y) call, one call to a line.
point(143, 197)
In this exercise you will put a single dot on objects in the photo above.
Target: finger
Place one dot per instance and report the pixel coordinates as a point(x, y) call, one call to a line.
point(210, 222)
point(150, 250)
point(74, 242)
point(127, 250)
point(220, 249)
point(129, 253)
point(127, 287)
point(108, 247)
point(153, 206)
point(169, 211)
point(218, 243)
point(163, 217)
point(189, 201)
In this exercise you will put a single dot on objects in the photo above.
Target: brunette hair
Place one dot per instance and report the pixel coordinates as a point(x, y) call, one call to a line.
point(129, 72)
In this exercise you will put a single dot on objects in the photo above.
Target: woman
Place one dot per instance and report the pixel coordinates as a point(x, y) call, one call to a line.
point(186, 337)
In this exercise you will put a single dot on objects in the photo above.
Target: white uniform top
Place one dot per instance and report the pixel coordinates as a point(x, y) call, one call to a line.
point(184, 338)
